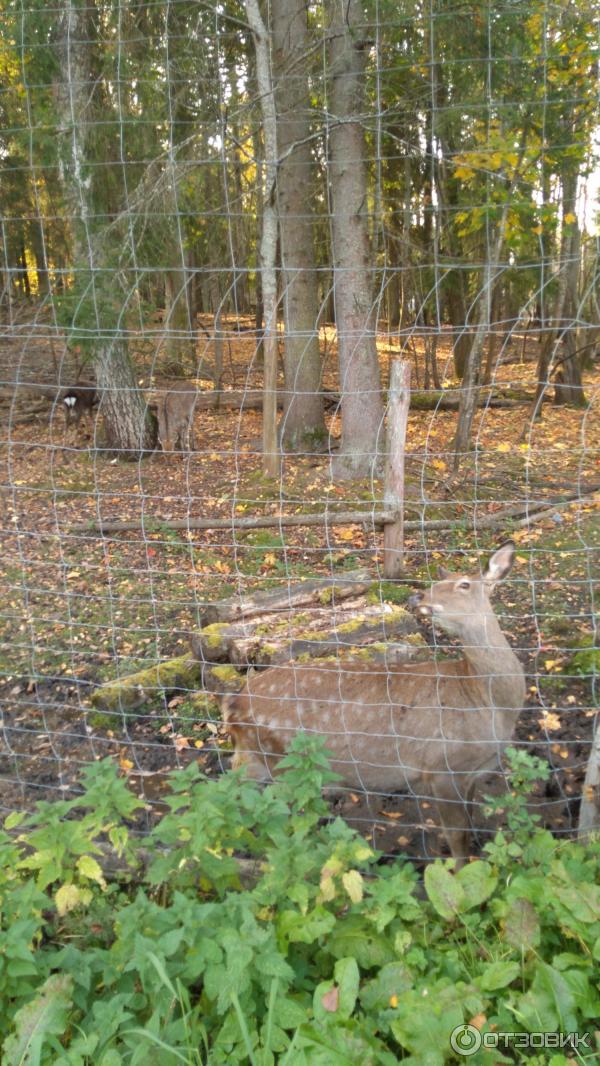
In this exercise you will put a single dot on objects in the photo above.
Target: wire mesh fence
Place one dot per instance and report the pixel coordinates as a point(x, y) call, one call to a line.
point(168, 287)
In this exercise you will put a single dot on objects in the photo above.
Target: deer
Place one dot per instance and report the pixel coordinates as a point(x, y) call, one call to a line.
point(78, 400)
point(175, 411)
point(431, 728)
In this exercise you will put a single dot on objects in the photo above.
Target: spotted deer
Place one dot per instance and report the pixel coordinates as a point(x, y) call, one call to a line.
point(430, 728)
point(175, 411)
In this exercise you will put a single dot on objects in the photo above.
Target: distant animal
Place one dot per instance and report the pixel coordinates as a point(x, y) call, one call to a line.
point(78, 400)
point(428, 728)
point(175, 412)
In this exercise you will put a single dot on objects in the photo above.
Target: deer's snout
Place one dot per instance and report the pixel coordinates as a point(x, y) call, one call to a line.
point(417, 603)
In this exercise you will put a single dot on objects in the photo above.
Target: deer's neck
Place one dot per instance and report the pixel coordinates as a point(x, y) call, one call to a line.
point(495, 665)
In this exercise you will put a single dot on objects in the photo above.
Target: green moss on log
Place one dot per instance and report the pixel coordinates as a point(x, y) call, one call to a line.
point(125, 693)
point(388, 592)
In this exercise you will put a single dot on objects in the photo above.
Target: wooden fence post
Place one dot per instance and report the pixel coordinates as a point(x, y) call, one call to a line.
point(397, 418)
point(589, 812)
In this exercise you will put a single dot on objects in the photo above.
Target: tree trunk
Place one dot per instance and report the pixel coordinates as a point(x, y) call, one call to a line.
point(217, 309)
point(36, 236)
point(562, 337)
point(179, 331)
point(469, 396)
point(303, 422)
point(268, 241)
point(129, 425)
point(393, 288)
point(493, 337)
point(568, 387)
point(360, 380)
point(443, 148)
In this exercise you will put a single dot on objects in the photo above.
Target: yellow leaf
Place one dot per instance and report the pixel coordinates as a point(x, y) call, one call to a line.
point(88, 867)
point(361, 852)
point(549, 721)
point(394, 1000)
point(463, 172)
point(327, 888)
point(537, 229)
point(67, 898)
point(503, 447)
point(353, 883)
point(570, 218)
point(439, 464)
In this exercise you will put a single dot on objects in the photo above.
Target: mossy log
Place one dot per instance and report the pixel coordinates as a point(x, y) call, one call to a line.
point(261, 643)
point(319, 590)
point(126, 693)
point(222, 678)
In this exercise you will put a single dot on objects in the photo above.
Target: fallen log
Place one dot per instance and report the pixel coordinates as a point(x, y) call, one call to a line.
point(235, 523)
point(127, 693)
point(375, 517)
point(244, 399)
point(261, 652)
point(268, 641)
point(320, 591)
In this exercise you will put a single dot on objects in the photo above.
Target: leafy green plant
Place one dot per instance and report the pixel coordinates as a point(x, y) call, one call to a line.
point(252, 927)
point(524, 771)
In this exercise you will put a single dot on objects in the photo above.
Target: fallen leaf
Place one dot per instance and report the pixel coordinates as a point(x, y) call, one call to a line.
point(331, 999)
point(478, 1021)
point(549, 720)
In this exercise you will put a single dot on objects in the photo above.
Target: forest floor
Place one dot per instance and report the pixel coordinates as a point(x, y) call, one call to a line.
point(79, 608)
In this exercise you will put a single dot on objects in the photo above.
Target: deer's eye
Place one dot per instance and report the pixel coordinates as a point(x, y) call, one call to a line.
point(464, 584)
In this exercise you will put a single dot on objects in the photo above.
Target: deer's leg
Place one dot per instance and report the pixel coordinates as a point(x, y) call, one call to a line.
point(453, 810)
point(254, 765)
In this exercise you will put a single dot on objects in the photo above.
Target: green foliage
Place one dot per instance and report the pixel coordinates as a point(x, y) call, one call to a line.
point(305, 952)
point(586, 662)
point(388, 592)
point(525, 770)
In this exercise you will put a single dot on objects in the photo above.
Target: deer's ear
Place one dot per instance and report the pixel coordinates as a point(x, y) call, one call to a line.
point(500, 563)
point(444, 574)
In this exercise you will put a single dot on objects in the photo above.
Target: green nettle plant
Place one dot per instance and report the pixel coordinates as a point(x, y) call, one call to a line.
point(251, 927)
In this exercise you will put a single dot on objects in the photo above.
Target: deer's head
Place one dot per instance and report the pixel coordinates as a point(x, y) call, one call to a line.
point(459, 603)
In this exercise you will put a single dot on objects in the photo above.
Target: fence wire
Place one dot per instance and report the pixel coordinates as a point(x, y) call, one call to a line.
point(436, 201)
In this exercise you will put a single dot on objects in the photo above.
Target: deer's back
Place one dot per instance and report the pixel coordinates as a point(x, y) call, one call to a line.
point(385, 727)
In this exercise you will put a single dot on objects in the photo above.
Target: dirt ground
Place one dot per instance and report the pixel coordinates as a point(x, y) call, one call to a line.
point(78, 608)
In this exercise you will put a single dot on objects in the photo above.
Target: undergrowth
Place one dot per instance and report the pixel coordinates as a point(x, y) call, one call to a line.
point(250, 928)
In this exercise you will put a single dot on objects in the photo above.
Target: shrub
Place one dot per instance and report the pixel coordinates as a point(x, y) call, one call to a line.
point(250, 927)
